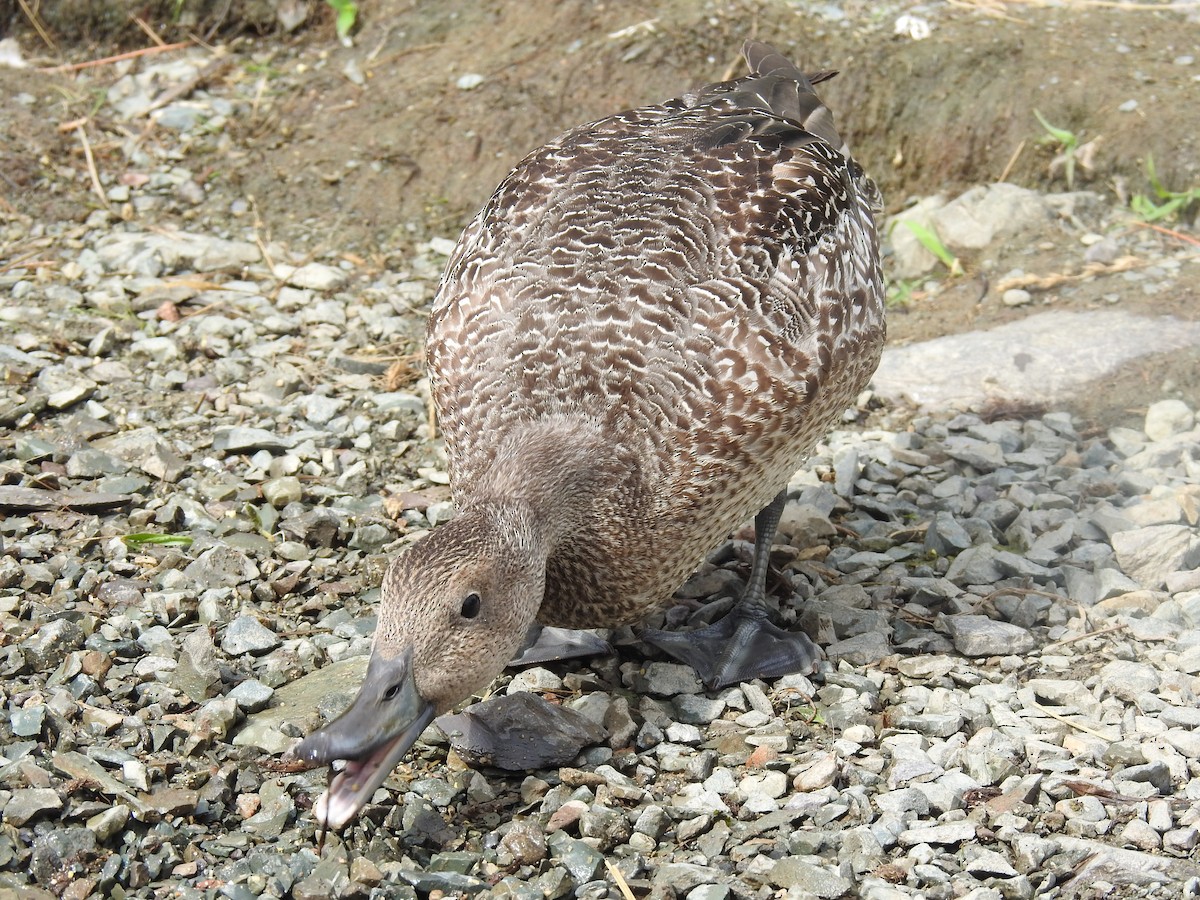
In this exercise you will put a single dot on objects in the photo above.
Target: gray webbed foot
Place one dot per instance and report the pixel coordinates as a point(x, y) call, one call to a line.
point(549, 644)
point(738, 648)
point(743, 644)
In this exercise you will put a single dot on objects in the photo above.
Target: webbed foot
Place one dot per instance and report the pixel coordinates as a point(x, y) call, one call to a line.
point(546, 643)
point(743, 644)
point(738, 648)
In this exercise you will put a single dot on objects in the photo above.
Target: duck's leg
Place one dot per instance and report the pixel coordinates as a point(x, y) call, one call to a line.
point(744, 644)
point(546, 643)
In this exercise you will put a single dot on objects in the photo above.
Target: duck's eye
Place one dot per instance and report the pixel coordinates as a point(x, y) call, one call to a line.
point(470, 607)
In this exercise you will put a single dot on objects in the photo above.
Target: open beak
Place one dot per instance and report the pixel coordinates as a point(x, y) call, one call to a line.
point(382, 723)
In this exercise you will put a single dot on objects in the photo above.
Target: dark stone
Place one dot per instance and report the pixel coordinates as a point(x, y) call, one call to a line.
point(519, 732)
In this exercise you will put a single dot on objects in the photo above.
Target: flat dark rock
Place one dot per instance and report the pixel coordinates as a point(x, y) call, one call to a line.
point(519, 732)
point(14, 497)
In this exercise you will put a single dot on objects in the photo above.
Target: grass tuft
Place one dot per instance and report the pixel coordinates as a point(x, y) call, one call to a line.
point(1173, 203)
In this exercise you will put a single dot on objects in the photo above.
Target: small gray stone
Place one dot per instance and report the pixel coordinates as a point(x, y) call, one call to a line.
point(947, 834)
point(693, 709)
point(1167, 418)
point(534, 679)
point(1137, 833)
point(279, 492)
point(1156, 773)
point(106, 825)
point(811, 875)
point(771, 785)
point(246, 634)
point(56, 851)
point(1082, 809)
point(240, 439)
point(977, 636)
point(28, 803)
point(313, 276)
point(28, 721)
point(667, 680)
point(976, 565)
point(92, 463)
point(686, 876)
point(64, 387)
point(519, 732)
point(251, 695)
point(198, 674)
point(982, 455)
point(50, 643)
point(1016, 297)
point(1150, 554)
point(584, 862)
point(319, 409)
point(989, 864)
point(276, 811)
point(1129, 681)
point(221, 566)
point(945, 536)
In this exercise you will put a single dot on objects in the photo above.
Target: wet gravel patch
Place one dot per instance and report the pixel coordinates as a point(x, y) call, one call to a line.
point(211, 447)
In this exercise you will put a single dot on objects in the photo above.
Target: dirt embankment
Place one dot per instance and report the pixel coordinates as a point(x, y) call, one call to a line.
point(409, 145)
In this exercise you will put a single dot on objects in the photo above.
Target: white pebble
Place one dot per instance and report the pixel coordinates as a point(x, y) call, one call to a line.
point(1168, 417)
point(1016, 297)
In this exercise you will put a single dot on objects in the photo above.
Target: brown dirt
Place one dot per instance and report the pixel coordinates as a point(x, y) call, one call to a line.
point(364, 170)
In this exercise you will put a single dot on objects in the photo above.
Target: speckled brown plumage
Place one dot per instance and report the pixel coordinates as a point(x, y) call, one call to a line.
point(634, 346)
point(690, 290)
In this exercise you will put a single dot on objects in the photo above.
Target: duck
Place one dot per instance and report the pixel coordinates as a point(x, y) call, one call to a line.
point(635, 344)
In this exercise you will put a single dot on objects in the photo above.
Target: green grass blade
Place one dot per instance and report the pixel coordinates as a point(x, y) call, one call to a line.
point(347, 15)
point(1062, 135)
point(929, 239)
point(143, 538)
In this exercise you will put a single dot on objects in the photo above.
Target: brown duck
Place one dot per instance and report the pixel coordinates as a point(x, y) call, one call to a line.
point(636, 343)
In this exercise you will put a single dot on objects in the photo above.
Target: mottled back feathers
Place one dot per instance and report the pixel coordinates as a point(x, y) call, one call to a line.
point(672, 304)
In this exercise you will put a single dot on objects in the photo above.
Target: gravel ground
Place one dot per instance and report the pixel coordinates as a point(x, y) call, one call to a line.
point(1010, 606)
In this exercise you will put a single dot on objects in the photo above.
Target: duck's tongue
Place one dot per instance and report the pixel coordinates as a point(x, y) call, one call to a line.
point(382, 723)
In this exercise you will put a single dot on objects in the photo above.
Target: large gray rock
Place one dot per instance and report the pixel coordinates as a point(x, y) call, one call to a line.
point(1044, 358)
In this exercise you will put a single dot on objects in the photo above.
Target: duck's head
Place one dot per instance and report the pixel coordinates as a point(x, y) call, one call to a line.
point(454, 610)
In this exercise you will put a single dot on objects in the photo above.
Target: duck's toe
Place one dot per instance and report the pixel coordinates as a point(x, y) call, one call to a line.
point(546, 643)
point(738, 648)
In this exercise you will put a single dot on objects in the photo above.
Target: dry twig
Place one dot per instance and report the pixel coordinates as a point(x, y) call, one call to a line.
point(1076, 725)
point(1082, 637)
point(120, 57)
point(91, 164)
point(1046, 282)
point(622, 884)
point(1012, 161)
point(1186, 238)
point(36, 22)
point(214, 68)
point(147, 30)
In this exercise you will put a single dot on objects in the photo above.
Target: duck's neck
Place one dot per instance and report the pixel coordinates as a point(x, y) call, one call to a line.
point(556, 468)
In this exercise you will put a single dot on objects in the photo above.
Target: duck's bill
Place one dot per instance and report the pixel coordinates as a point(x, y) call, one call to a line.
point(372, 736)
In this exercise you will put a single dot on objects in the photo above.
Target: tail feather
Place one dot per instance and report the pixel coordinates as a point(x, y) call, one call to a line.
point(764, 59)
point(788, 92)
